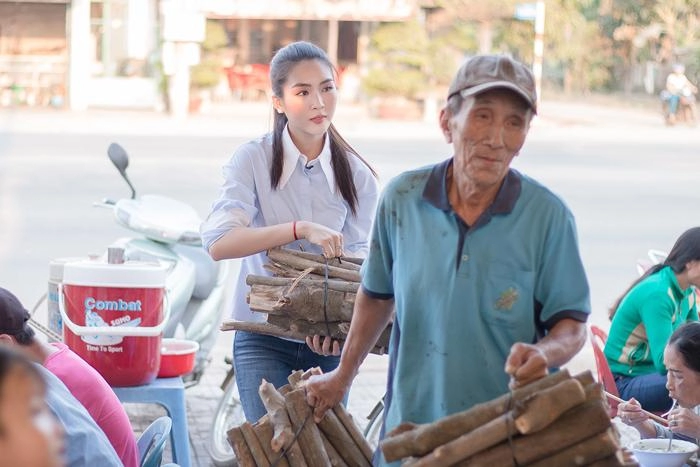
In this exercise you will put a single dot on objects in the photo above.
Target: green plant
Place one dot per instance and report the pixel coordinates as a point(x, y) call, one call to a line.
point(207, 73)
point(406, 62)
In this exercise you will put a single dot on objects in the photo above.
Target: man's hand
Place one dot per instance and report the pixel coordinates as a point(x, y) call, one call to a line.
point(525, 364)
point(323, 392)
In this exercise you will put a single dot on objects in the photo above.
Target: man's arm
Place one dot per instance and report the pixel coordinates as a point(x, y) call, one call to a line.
point(528, 362)
point(370, 318)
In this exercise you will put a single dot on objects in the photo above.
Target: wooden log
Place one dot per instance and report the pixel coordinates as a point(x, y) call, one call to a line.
point(587, 451)
point(334, 456)
point(546, 406)
point(264, 431)
point(303, 302)
point(309, 437)
point(478, 439)
point(346, 262)
point(579, 423)
point(283, 434)
point(336, 433)
point(282, 282)
point(353, 430)
point(272, 330)
point(301, 264)
point(240, 447)
point(338, 329)
point(256, 449)
point(422, 439)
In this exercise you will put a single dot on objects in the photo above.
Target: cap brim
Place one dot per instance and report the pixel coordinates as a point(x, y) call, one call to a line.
point(499, 84)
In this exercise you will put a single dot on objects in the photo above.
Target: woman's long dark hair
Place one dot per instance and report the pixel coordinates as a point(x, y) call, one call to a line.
point(280, 66)
point(687, 341)
point(685, 250)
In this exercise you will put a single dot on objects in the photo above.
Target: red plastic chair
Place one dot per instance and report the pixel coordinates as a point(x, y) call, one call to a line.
point(605, 376)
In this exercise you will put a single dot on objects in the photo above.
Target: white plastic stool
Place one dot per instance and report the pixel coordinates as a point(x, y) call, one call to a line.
point(170, 394)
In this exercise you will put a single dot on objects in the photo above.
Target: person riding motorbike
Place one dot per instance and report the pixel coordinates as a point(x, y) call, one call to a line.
point(678, 94)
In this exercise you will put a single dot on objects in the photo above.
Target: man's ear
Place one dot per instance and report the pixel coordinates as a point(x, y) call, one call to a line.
point(445, 124)
point(6, 339)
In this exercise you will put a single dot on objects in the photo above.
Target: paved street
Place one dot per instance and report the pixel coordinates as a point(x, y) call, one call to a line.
point(631, 182)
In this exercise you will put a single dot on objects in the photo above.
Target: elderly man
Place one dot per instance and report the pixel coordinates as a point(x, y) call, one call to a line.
point(479, 262)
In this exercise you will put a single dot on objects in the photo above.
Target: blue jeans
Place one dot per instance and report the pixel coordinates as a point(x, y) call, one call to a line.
point(649, 390)
point(257, 356)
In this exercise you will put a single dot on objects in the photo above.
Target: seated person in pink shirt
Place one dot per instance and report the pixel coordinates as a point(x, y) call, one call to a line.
point(82, 380)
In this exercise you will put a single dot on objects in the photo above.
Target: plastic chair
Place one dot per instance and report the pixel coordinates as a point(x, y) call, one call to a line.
point(151, 443)
point(605, 376)
point(170, 394)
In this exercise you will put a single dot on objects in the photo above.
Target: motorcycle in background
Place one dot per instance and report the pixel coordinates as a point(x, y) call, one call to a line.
point(169, 235)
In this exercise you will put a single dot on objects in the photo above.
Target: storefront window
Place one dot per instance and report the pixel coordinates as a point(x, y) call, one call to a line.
point(123, 37)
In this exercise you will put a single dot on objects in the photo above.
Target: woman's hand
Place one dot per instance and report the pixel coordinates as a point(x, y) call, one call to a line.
point(329, 346)
point(684, 421)
point(631, 413)
point(330, 241)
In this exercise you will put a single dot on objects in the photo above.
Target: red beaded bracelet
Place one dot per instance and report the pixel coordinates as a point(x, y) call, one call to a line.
point(294, 230)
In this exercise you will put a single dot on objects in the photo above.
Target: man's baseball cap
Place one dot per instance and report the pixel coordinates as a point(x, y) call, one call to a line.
point(483, 72)
point(13, 316)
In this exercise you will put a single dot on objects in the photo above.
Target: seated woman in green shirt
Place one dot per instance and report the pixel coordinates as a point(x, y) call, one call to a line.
point(644, 318)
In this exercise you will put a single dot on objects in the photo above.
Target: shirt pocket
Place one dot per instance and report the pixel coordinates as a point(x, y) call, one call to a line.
point(507, 296)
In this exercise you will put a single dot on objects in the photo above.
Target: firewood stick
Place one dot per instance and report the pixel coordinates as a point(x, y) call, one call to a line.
point(354, 432)
point(579, 423)
point(240, 447)
point(335, 457)
point(338, 329)
point(338, 285)
point(345, 262)
point(654, 417)
point(264, 431)
point(478, 439)
point(422, 439)
point(254, 445)
point(283, 434)
point(546, 406)
point(587, 451)
point(309, 437)
point(318, 267)
point(271, 330)
point(335, 432)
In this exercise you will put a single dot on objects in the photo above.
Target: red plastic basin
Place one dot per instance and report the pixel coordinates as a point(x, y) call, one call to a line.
point(176, 357)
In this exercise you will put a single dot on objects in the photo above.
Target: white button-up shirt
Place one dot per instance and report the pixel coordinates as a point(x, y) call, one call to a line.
point(305, 192)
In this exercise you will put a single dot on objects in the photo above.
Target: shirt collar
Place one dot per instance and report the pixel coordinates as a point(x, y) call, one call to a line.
point(668, 270)
point(293, 157)
point(435, 191)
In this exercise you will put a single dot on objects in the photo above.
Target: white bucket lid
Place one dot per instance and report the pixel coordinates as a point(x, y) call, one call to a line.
point(56, 266)
point(130, 274)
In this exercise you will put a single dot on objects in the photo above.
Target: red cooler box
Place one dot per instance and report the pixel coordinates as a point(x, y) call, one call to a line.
point(113, 317)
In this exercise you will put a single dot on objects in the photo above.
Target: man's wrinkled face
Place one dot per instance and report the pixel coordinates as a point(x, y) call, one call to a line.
point(486, 133)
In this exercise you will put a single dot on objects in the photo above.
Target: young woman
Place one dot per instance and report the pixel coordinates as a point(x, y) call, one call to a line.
point(301, 186)
point(682, 358)
point(30, 435)
point(645, 316)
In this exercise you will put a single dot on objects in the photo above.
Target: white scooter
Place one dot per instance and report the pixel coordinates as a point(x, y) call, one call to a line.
point(169, 234)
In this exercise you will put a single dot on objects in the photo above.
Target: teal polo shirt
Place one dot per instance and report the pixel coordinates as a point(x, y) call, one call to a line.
point(465, 294)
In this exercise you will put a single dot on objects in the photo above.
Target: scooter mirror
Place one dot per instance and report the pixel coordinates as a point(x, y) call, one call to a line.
point(120, 159)
point(118, 156)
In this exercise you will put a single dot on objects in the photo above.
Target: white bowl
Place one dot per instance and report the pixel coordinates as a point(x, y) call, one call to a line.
point(652, 452)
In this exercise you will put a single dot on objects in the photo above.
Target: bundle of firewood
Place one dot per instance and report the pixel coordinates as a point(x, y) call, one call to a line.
point(289, 436)
point(307, 295)
point(556, 421)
